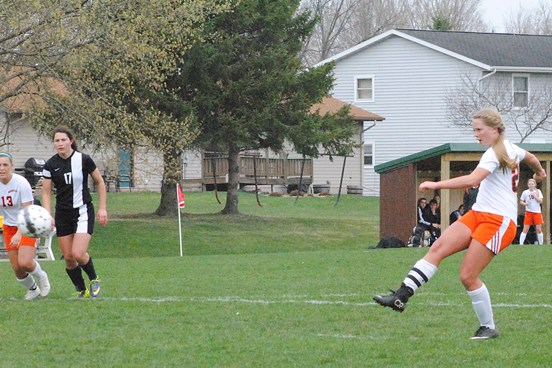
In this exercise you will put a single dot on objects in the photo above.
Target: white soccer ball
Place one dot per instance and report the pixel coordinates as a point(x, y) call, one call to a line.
point(35, 221)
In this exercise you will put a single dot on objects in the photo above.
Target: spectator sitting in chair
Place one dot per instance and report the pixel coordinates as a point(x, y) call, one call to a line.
point(420, 224)
point(422, 202)
point(456, 214)
point(437, 198)
point(432, 219)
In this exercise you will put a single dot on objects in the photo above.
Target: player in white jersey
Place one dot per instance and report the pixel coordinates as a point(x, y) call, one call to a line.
point(488, 228)
point(532, 199)
point(16, 193)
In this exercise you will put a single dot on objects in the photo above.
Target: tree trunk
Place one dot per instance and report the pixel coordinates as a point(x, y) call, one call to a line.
point(231, 206)
point(168, 206)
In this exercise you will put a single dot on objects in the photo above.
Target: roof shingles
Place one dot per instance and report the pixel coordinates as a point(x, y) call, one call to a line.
point(494, 49)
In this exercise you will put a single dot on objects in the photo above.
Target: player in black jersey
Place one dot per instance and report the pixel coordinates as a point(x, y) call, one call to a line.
point(68, 170)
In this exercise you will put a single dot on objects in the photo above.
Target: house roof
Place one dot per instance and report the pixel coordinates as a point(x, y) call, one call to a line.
point(432, 156)
point(27, 95)
point(500, 51)
point(333, 105)
point(495, 49)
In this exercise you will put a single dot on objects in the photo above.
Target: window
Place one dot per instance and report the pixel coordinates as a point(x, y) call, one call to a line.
point(368, 154)
point(364, 88)
point(520, 90)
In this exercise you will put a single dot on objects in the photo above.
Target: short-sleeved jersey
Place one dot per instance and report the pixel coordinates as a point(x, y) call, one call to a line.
point(70, 179)
point(16, 192)
point(497, 192)
point(531, 199)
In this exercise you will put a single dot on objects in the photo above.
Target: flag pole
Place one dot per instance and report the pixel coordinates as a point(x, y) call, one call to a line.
point(179, 222)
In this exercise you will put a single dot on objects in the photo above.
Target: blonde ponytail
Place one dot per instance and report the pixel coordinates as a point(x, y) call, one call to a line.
point(491, 118)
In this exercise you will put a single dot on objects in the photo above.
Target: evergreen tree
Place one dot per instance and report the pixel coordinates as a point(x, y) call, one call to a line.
point(249, 91)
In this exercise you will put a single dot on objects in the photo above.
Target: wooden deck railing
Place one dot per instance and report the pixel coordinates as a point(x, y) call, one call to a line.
point(267, 170)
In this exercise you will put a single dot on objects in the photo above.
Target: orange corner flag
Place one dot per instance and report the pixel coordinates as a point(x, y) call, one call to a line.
point(180, 195)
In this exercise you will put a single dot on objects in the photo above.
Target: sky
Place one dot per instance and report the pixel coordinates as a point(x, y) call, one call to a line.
point(493, 11)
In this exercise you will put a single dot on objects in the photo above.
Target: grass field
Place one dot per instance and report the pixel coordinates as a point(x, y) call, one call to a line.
point(279, 286)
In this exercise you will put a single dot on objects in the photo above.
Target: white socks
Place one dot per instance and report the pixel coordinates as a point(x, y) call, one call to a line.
point(37, 272)
point(419, 274)
point(481, 301)
point(28, 282)
point(540, 238)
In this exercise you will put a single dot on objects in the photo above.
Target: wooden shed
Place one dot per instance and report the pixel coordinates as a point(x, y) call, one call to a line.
point(400, 178)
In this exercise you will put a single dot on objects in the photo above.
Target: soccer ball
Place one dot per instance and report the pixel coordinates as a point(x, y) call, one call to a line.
point(35, 221)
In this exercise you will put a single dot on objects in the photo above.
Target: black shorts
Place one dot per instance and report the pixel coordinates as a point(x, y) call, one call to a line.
point(75, 220)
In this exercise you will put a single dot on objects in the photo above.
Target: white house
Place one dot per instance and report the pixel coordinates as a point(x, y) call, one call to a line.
point(407, 76)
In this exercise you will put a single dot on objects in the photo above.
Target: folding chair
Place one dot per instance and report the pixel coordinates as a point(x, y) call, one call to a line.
point(44, 249)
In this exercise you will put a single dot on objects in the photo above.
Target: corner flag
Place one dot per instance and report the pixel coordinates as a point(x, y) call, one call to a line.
point(181, 204)
point(180, 195)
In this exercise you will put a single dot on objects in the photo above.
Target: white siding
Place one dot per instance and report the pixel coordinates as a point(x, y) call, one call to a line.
point(193, 161)
point(326, 171)
point(25, 143)
point(148, 170)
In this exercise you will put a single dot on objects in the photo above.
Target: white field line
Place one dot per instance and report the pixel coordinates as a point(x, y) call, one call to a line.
point(287, 299)
point(237, 299)
point(350, 337)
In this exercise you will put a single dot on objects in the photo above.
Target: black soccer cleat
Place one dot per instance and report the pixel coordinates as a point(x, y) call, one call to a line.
point(484, 332)
point(396, 300)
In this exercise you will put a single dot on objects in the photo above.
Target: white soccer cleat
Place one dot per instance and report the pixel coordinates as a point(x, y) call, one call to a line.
point(44, 285)
point(32, 294)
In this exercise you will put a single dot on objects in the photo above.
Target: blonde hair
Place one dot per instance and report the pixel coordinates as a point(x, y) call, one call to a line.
point(532, 181)
point(491, 118)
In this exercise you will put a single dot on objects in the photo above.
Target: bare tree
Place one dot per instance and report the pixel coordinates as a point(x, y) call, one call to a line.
point(476, 93)
point(374, 17)
point(537, 20)
point(333, 22)
point(461, 15)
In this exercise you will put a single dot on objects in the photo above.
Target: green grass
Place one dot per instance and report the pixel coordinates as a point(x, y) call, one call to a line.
point(280, 225)
point(248, 294)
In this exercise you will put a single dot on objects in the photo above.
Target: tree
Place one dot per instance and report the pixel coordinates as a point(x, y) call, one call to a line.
point(248, 89)
point(441, 23)
point(32, 38)
point(344, 23)
point(114, 77)
point(535, 20)
point(459, 15)
point(334, 21)
point(475, 94)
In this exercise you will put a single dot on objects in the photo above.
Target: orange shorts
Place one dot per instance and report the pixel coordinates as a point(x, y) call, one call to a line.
point(9, 232)
point(533, 218)
point(493, 231)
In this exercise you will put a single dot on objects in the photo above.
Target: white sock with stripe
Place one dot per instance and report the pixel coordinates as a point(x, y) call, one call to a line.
point(421, 273)
point(28, 282)
point(481, 301)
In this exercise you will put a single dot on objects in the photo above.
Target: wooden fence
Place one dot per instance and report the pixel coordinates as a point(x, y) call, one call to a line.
point(268, 171)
